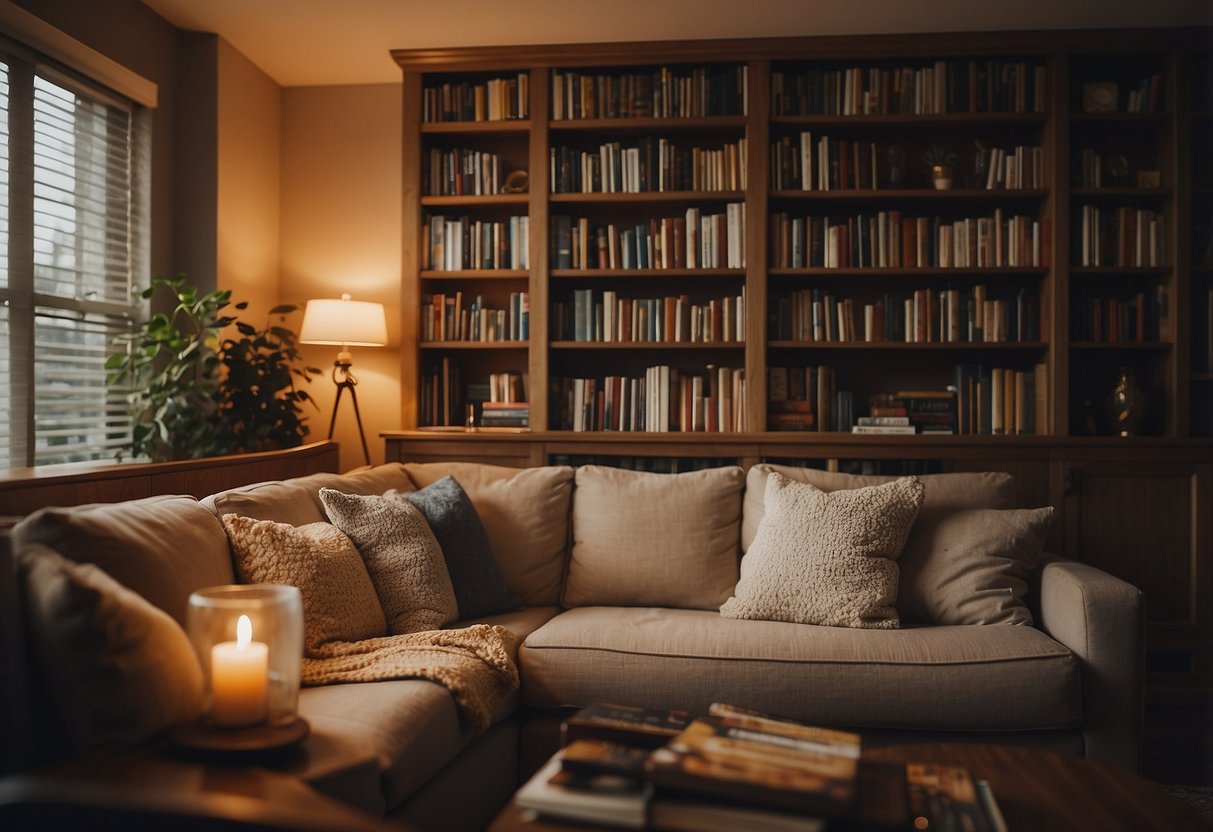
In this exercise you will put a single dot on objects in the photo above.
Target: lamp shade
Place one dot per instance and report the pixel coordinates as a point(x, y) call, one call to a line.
point(344, 322)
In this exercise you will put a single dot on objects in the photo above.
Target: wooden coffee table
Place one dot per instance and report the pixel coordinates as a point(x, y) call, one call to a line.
point(1037, 791)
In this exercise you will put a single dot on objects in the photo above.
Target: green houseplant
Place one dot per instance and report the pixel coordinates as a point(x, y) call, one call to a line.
point(195, 393)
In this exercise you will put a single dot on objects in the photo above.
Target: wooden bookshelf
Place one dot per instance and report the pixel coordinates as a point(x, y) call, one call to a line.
point(1150, 161)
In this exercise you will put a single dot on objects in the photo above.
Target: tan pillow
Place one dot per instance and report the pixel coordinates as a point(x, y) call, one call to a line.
point(403, 558)
point(296, 501)
point(985, 489)
point(976, 568)
point(642, 539)
point(827, 558)
point(115, 669)
point(525, 513)
point(163, 548)
point(339, 601)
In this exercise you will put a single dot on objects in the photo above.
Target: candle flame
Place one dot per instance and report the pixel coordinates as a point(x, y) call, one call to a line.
point(244, 632)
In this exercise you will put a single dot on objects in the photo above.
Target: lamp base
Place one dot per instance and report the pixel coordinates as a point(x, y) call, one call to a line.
point(254, 739)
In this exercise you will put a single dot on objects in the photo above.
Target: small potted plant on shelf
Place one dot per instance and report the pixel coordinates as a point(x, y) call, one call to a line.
point(941, 160)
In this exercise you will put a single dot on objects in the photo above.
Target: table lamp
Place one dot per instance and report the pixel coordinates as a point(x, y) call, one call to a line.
point(345, 323)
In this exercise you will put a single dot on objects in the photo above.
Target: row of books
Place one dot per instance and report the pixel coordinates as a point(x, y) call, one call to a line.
point(648, 164)
point(606, 317)
point(695, 240)
point(826, 164)
point(461, 171)
point(445, 318)
point(803, 399)
point(663, 400)
point(1121, 237)
point(1146, 97)
point(955, 86)
point(1090, 170)
point(1117, 319)
point(457, 243)
point(496, 99)
point(923, 316)
point(668, 92)
point(735, 768)
point(441, 394)
point(886, 239)
point(1001, 400)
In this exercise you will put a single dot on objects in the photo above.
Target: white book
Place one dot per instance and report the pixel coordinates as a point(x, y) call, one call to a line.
point(626, 810)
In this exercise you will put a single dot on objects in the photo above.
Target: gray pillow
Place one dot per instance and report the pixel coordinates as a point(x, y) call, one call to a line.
point(479, 589)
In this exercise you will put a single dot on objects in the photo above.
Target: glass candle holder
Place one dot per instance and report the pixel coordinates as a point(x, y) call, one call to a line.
point(249, 641)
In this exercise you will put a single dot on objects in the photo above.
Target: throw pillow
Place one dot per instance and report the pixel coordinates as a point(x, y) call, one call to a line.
point(663, 540)
point(479, 588)
point(339, 601)
point(976, 567)
point(116, 670)
point(525, 514)
point(827, 558)
point(402, 557)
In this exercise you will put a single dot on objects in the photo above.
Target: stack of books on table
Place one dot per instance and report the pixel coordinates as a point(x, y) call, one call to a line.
point(734, 769)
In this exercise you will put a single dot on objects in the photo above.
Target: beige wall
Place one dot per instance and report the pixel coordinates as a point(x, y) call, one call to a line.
point(247, 183)
point(340, 232)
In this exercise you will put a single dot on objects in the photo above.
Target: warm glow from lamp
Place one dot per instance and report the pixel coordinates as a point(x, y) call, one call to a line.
point(344, 323)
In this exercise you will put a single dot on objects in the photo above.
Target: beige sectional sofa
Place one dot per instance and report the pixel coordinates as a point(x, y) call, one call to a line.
point(620, 576)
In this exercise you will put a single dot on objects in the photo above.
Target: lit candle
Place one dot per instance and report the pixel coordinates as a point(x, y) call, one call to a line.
point(239, 678)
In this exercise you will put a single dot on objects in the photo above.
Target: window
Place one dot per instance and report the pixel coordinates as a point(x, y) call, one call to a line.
point(72, 234)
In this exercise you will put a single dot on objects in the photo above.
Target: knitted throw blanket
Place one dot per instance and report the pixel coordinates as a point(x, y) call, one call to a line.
point(474, 663)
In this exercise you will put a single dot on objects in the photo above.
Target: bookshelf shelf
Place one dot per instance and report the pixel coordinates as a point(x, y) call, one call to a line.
point(506, 127)
point(647, 345)
point(1120, 346)
point(854, 271)
point(1093, 272)
point(1121, 193)
point(647, 197)
point(915, 195)
point(477, 201)
point(1119, 119)
point(644, 125)
point(472, 345)
point(922, 346)
point(561, 274)
point(927, 120)
point(474, 274)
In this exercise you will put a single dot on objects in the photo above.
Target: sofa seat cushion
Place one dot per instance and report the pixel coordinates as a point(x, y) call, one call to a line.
point(411, 726)
point(942, 678)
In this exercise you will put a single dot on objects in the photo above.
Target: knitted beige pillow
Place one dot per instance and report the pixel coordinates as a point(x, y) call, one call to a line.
point(402, 557)
point(826, 558)
point(339, 602)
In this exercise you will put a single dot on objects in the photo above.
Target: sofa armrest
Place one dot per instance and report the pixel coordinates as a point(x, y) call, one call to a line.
point(1101, 620)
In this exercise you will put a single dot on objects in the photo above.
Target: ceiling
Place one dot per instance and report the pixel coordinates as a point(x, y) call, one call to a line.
point(321, 42)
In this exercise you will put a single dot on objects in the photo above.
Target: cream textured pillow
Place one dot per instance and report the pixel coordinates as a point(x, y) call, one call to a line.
point(402, 557)
point(975, 568)
point(339, 602)
point(827, 558)
point(115, 669)
point(663, 540)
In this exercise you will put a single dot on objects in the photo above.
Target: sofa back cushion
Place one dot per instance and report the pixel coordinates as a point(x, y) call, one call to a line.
point(925, 577)
point(525, 513)
point(163, 547)
point(643, 539)
point(296, 501)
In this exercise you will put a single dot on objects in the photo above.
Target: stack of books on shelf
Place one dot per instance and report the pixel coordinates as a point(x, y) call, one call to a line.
point(736, 769)
point(952, 86)
point(667, 92)
point(663, 400)
point(887, 240)
point(461, 172)
point(800, 398)
point(445, 318)
point(496, 99)
point(505, 415)
point(606, 317)
point(910, 412)
point(923, 316)
point(696, 239)
point(457, 243)
point(648, 164)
